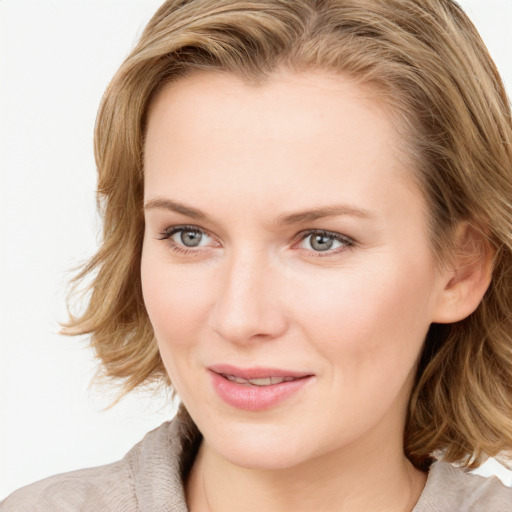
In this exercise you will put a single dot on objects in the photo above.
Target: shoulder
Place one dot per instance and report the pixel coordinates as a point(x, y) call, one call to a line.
point(455, 489)
point(150, 471)
point(76, 490)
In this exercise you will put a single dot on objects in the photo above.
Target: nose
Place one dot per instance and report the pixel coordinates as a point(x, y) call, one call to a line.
point(248, 307)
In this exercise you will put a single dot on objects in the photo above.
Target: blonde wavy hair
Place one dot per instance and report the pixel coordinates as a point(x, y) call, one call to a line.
point(428, 63)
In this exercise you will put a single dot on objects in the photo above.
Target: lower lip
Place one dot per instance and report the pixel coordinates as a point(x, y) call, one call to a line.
point(255, 398)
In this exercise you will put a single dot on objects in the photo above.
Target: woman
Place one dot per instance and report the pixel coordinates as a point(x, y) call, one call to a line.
point(307, 218)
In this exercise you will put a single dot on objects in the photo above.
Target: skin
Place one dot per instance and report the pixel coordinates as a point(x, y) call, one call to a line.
point(256, 293)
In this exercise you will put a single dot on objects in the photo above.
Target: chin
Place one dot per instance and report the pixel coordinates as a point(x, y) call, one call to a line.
point(258, 447)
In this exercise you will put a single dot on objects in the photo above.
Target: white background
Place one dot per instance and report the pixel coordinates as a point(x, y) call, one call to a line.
point(56, 59)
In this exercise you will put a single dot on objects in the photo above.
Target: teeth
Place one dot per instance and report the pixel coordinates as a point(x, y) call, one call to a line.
point(265, 381)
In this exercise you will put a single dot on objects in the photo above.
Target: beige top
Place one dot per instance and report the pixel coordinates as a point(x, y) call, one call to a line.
point(150, 479)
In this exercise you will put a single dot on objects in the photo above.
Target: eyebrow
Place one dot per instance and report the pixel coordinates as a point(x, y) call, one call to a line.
point(173, 206)
point(320, 213)
point(289, 219)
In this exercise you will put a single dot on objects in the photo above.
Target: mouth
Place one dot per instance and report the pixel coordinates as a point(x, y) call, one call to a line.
point(257, 389)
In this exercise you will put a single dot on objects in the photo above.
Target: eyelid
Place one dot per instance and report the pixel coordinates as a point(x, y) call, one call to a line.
point(346, 241)
point(172, 230)
point(168, 233)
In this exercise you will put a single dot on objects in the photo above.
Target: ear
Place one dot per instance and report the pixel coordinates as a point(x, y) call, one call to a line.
point(467, 275)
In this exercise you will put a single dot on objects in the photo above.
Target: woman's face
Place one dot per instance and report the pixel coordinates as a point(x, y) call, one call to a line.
point(286, 267)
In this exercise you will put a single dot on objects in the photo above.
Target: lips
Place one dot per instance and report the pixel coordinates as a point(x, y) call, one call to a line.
point(256, 389)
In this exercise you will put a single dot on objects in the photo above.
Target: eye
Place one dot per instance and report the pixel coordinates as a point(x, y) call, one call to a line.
point(324, 241)
point(188, 237)
point(183, 238)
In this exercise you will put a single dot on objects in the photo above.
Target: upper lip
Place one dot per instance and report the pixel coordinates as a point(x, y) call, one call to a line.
point(258, 372)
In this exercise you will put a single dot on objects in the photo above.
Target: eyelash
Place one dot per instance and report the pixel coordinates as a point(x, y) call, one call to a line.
point(169, 232)
point(346, 241)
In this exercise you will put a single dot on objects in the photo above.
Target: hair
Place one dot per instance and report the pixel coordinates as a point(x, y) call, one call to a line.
point(430, 66)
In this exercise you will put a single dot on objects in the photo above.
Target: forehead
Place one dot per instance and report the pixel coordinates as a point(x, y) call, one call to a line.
point(317, 136)
point(304, 103)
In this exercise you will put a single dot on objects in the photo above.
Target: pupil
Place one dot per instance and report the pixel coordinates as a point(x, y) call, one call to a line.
point(321, 242)
point(191, 238)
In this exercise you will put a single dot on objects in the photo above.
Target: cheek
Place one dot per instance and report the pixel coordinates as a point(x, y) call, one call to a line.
point(174, 302)
point(368, 329)
point(367, 314)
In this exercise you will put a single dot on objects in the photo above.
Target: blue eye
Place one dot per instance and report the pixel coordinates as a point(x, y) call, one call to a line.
point(324, 241)
point(186, 237)
point(189, 238)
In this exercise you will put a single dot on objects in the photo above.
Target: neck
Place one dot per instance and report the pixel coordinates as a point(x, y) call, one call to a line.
point(347, 480)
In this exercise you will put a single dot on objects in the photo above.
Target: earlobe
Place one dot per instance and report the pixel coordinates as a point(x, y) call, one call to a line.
point(467, 276)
